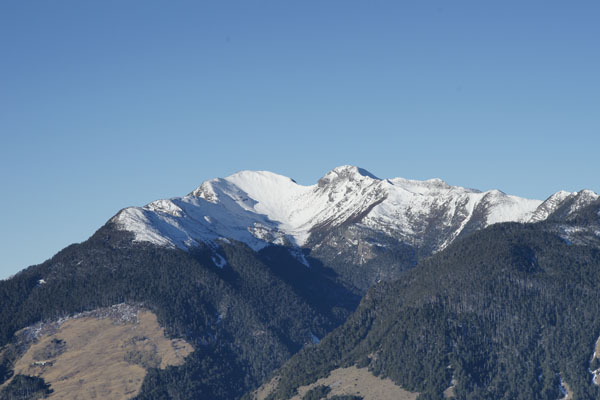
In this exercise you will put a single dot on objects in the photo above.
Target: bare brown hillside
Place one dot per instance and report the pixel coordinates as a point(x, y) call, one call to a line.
point(101, 355)
point(349, 381)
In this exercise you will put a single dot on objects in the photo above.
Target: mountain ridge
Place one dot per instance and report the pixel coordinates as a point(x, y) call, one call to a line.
point(261, 208)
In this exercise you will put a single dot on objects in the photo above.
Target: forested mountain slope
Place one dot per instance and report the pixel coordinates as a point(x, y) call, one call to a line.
point(510, 312)
point(244, 316)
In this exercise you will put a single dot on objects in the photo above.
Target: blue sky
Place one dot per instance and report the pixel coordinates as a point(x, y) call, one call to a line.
point(109, 104)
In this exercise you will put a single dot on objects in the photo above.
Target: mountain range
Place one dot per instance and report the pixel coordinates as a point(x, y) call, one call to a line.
point(251, 269)
point(348, 217)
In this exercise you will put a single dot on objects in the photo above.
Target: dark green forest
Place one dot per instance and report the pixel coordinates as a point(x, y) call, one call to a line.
point(507, 312)
point(244, 320)
point(24, 387)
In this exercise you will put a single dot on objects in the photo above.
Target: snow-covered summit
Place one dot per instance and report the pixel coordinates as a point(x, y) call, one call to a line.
point(347, 173)
point(261, 207)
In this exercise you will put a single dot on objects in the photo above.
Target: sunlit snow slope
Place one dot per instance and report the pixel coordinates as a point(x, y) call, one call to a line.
point(260, 207)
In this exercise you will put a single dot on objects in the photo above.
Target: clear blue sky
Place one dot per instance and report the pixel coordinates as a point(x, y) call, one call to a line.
point(108, 104)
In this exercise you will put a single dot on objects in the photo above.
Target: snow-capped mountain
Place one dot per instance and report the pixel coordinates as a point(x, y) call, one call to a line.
point(260, 208)
point(274, 266)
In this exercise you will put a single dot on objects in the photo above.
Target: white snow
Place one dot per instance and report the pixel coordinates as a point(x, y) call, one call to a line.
point(574, 200)
point(260, 207)
point(512, 208)
point(165, 206)
point(550, 205)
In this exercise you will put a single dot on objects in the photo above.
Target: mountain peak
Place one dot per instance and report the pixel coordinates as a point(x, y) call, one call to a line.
point(587, 194)
point(346, 173)
point(247, 180)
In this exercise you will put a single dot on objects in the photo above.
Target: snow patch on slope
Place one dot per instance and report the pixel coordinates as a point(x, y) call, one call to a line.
point(511, 208)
